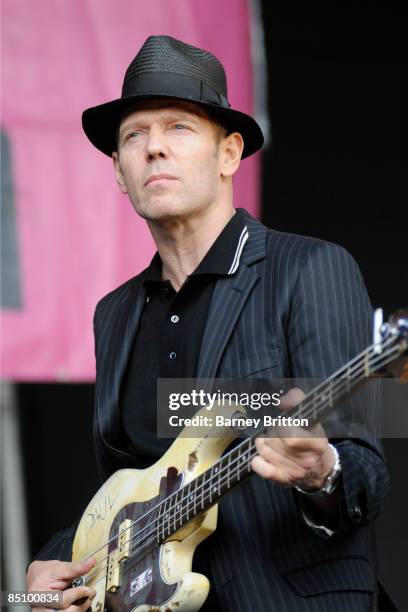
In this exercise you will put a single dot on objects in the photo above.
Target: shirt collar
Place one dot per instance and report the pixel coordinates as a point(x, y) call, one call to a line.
point(223, 256)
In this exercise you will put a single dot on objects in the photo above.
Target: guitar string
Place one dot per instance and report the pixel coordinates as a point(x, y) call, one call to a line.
point(158, 526)
point(348, 368)
point(377, 360)
point(187, 510)
point(340, 382)
point(169, 498)
point(153, 524)
point(366, 351)
point(151, 537)
point(171, 508)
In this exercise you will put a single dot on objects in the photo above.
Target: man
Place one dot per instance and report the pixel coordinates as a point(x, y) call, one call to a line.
point(225, 297)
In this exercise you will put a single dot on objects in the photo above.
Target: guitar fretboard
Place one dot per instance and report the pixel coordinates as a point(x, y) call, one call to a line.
point(206, 490)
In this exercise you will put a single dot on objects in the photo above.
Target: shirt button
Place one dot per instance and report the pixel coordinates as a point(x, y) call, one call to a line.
point(175, 319)
point(172, 355)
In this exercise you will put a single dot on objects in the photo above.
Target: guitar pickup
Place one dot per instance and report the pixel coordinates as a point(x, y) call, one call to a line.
point(113, 573)
point(124, 540)
point(118, 555)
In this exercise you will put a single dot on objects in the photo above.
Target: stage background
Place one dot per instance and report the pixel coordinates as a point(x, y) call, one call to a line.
point(69, 235)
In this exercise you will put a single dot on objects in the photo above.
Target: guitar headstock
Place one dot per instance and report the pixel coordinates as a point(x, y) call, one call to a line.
point(396, 331)
point(399, 319)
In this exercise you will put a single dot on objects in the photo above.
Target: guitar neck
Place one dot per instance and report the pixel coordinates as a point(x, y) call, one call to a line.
point(207, 489)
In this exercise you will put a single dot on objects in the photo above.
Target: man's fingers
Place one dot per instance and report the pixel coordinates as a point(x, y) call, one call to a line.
point(70, 596)
point(285, 475)
point(57, 575)
point(82, 607)
point(292, 398)
point(74, 569)
point(269, 471)
point(278, 453)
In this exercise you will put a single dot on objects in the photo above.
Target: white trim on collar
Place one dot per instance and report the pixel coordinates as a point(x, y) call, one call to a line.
point(241, 243)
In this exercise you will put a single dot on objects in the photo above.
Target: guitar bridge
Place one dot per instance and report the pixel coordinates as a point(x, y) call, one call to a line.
point(118, 556)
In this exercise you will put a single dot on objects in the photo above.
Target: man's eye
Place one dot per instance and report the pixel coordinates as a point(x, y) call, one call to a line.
point(132, 135)
point(179, 126)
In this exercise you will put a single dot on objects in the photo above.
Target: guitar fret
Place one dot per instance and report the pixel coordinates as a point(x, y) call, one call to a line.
point(239, 464)
point(189, 497)
point(174, 513)
point(163, 521)
point(211, 487)
point(202, 491)
point(159, 525)
point(163, 525)
point(176, 510)
point(167, 517)
point(195, 497)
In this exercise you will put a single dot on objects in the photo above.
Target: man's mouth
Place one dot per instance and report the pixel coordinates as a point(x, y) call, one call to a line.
point(156, 178)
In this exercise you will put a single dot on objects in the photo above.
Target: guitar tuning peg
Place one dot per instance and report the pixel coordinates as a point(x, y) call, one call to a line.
point(378, 329)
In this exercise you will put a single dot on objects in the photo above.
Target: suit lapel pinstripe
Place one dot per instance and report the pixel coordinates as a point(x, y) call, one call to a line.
point(230, 295)
point(229, 298)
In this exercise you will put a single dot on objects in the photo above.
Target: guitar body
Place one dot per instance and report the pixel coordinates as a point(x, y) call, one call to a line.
point(133, 571)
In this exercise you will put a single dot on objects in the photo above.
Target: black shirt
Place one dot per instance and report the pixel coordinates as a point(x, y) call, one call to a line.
point(167, 345)
point(168, 339)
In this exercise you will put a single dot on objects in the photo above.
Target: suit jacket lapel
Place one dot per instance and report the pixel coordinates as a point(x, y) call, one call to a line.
point(123, 330)
point(229, 297)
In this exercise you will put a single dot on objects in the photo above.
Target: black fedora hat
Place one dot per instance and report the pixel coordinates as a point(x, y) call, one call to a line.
point(169, 68)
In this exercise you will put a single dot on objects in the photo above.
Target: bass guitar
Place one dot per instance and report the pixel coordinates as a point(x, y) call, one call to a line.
point(143, 526)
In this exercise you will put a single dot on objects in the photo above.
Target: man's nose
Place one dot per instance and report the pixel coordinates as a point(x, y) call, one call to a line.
point(156, 145)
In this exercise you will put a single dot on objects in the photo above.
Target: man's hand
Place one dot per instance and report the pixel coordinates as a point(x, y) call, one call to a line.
point(304, 458)
point(58, 576)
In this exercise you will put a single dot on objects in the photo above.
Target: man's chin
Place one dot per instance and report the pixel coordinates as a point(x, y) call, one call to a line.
point(162, 212)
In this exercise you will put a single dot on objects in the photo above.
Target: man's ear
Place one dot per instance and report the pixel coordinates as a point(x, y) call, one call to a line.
point(231, 152)
point(120, 179)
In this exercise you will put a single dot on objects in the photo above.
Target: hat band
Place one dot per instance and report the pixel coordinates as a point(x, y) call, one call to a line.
point(169, 85)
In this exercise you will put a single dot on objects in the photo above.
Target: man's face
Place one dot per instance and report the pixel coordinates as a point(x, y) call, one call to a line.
point(168, 159)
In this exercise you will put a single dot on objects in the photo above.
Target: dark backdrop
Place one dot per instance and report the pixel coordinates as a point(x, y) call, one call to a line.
point(334, 170)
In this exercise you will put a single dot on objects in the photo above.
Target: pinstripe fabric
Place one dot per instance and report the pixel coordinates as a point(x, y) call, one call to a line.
point(295, 307)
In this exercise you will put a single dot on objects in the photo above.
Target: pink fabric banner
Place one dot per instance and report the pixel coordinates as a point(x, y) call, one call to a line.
point(77, 236)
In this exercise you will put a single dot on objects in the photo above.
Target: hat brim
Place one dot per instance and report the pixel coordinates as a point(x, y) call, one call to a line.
point(100, 123)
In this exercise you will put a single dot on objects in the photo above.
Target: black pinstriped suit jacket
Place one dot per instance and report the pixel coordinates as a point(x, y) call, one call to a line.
point(296, 306)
